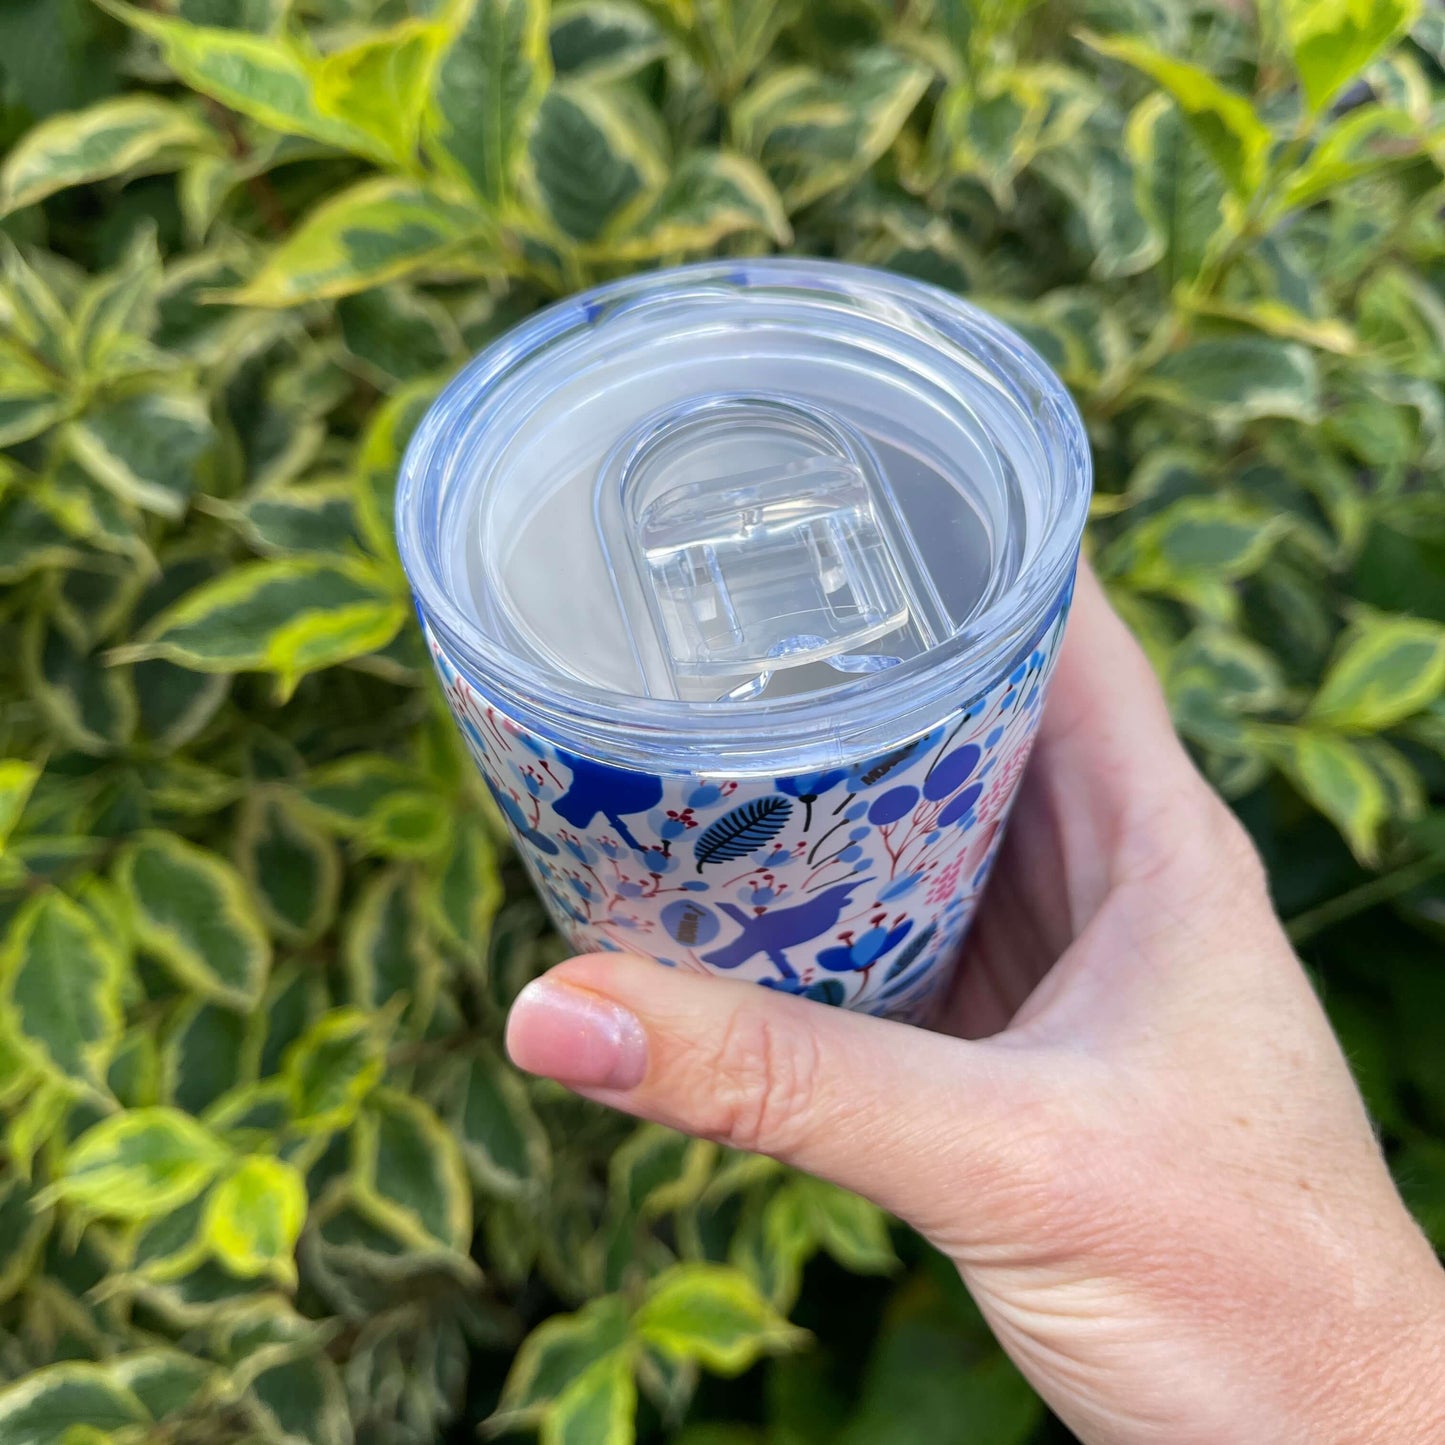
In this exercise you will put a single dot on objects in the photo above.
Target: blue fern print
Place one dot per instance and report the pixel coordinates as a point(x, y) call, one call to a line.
point(744, 830)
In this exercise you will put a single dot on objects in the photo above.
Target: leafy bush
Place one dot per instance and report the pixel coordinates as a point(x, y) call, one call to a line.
point(266, 1175)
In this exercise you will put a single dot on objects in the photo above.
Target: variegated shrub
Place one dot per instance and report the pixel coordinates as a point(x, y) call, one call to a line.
point(265, 1174)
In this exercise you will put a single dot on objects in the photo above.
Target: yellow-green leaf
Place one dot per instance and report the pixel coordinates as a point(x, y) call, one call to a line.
point(1236, 139)
point(194, 912)
point(488, 85)
point(597, 1408)
point(713, 1314)
point(1334, 40)
point(1388, 669)
point(268, 78)
point(62, 989)
point(17, 782)
point(372, 232)
point(377, 86)
point(1365, 140)
point(332, 1068)
point(139, 1164)
point(126, 134)
point(290, 616)
point(254, 1218)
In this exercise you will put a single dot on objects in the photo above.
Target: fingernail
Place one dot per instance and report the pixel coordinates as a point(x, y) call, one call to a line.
point(576, 1037)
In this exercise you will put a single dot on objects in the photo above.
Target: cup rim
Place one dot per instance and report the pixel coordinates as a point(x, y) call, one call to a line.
point(793, 734)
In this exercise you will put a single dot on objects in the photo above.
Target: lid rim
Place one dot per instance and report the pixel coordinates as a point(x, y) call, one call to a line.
point(790, 732)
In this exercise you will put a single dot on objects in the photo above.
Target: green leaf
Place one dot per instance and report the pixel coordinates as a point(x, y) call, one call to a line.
point(1100, 182)
point(165, 1381)
point(851, 1229)
point(1365, 140)
point(42, 1407)
point(410, 1163)
point(378, 85)
point(292, 865)
point(1216, 536)
point(332, 1068)
point(194, 912)
point(254, 1218)
point(504, 1143)
point(315, 516)
point(90, 706)
point(597, 1408)
point(149, 449)
point(1176, 186)
point(267, 78)
point(374, 231)
point(713, 1314)
point(468, 890)
point(139, 1164)
point(815, 134)
point(1231, 381)
point(592, 156)
point(290, 617)
point(17, 782)
point(389, 956)
point(128, 134)
point(24, 1228)
point(1225, 123)
point(657, 1171)
point(488, 87)
point(1334, 40)
point(1336, 777)
point(306, 1400)
point(62, 989)
point(1388, 669)
point(397, 333)
point(350, 794)
point(560, 1350)
point(710, 195)
point(379, 458)
point(204, 1055)
point(603, 39)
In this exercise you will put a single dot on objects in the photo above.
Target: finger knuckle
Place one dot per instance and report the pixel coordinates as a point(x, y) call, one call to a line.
point(765, 1083)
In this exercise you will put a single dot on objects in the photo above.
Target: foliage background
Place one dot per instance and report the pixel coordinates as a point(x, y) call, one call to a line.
point(266, 1177)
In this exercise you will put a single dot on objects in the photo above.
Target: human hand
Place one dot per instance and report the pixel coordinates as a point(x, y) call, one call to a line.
point(1135, 1135)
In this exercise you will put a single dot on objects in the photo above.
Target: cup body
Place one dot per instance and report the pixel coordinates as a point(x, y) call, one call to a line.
point(851, 886)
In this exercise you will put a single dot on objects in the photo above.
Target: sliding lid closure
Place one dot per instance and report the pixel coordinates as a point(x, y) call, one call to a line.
point(749, 534)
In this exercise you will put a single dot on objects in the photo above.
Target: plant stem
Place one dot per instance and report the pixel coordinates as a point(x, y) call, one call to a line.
point(1304, 926)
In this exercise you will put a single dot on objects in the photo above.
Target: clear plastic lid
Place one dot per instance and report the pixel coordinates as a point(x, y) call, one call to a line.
point(744, 515)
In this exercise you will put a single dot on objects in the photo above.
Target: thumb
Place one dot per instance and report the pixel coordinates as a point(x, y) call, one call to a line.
point(901, 1115)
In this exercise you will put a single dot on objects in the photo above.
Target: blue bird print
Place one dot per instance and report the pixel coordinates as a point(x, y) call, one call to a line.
point(597, 788)
point(772, 933)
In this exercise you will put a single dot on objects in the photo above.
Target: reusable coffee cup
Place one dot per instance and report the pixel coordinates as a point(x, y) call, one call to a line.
point(745, 581)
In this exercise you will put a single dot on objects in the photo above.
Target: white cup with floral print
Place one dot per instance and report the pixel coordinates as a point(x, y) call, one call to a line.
point(745, 582)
